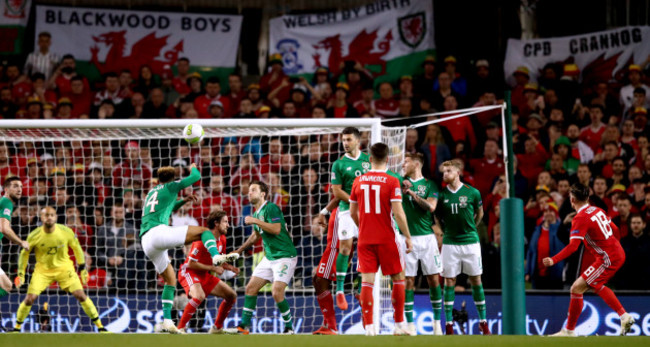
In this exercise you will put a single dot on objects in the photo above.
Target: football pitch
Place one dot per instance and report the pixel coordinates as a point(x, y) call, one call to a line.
point(195, 340)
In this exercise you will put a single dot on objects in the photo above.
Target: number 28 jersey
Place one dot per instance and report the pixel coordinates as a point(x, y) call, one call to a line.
point(597, 232)
point(374, 193)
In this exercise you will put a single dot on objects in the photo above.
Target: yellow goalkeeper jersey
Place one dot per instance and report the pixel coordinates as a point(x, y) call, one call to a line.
point(51, 249)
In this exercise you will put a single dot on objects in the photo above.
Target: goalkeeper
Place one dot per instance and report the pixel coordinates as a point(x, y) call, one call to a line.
point(50, 242)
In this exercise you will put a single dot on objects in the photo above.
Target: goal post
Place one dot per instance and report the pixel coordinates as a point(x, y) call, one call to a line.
point(90, 169)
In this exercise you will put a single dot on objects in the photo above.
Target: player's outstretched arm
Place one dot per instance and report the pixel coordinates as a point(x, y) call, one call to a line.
point(179, 203)
point(195, 176)
point(271, 228)
point(564, 253)
point(249, 243)
point(5, 228)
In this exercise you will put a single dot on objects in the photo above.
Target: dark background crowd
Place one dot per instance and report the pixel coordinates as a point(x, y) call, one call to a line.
point(565, 131)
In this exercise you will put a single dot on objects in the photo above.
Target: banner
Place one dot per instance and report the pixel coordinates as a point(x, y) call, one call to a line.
point(111, 40)
point(14, 15)
point(600, 56)
point(390, 38)
point(139, 313)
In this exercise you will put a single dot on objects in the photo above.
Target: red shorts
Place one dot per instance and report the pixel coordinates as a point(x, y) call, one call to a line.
point(601, 271)
point(188, 278)
point(327, 266)
point(387, 255)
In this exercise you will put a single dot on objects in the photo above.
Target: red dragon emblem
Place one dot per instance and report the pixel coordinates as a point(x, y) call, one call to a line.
point(360, 49)
point(143, 52)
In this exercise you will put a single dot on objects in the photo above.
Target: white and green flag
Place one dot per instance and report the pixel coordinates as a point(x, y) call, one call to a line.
point(14, 15)
point(390, 38)
point(104, 40)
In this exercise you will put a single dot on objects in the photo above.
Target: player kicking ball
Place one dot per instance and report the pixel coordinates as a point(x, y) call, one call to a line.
point(419, 202)
point(279, 262)
point(374, 197)
point(595, 230)
point(157, 236)
point(50, 242)
point(459, 211)
point(196, 278)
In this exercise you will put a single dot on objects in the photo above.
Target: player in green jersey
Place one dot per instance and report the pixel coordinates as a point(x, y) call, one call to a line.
point(157, 236)
point(419, 202)
point(280, 257)
point(344, 170)
point(460, 210)
point(13, 188)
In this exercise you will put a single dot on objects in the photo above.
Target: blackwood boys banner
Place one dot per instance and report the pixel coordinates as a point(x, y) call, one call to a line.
point(112, 40)
point(395, 33)
point(600, 56)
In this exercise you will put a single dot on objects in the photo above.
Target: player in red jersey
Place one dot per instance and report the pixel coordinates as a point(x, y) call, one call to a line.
point(595, 229)
point(376, 197)
point(326, 274)
point(196, 278)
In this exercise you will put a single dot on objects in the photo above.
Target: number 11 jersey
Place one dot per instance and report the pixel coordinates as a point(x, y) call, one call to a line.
point(455, 211)
point(597, 232)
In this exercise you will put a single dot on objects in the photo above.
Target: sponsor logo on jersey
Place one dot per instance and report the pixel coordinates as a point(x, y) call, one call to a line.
point(365, 166)
point(463, 201)
point(575, 232)
point(349, 168)
point(422, 190)
point(7, 212)
point(398, 191)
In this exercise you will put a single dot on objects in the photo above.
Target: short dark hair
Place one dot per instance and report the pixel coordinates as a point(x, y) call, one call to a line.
point(166, 174)
point(109, 75)
point(598, 106)
point(379, 151)
point(183, 59)
point(214, 218)
point(67, 56)
point(639, 90)
point(351, 131)
point(37, 76)
point(8, 181)
point(416, 157)
point(264, 188)
point(624, 196)
point(77, 78)
point(580, 192)
point(45, 33)
point(213, 79)
point(636, 215)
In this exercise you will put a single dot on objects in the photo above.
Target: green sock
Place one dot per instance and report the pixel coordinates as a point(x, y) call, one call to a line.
point(285, 311)
point(408, 305)
point(3, 292)
point(210, 243)
point(168, 300)
point(449, 304)
point(250, 302)
point(435, 295)
point(341, 271)
point(479, 300)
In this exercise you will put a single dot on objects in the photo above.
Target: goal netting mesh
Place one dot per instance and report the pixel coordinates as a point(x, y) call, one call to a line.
point(96, 174)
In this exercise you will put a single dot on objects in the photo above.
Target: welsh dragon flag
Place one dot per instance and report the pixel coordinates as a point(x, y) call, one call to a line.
point(390, 38)
point(14, 15)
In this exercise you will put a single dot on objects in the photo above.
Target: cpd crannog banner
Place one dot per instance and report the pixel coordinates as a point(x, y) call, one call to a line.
point(546, 314)
point(112, 40)
point(391, 37)
point(600, 56)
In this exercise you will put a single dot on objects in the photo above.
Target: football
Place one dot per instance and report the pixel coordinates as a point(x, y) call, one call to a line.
point(193, 133)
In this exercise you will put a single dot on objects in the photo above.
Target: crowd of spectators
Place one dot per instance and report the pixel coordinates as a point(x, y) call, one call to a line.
point(564, 132)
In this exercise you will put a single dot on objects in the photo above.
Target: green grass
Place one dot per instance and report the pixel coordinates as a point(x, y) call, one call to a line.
point(195, 340)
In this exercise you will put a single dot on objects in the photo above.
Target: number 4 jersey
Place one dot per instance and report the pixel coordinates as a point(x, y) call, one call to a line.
point(374, 193)
point(597, 232)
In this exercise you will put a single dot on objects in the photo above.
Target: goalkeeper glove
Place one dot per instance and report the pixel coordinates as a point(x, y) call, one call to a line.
point(19, 280)
point(83, 273)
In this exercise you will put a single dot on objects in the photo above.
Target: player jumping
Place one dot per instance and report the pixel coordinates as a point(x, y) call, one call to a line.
point(344, 170)
point(13, 191)
point(460, 210)
point(373, 197)
point(198, 282)
point(50, 242)
point(280, 257)
point(592, 226)
point(157, 236)
point(420, 202)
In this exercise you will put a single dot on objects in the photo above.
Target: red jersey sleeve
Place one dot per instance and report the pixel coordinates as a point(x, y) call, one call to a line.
point(195, 251)
point(353, 192)
point(579, 228)
point(395, 190)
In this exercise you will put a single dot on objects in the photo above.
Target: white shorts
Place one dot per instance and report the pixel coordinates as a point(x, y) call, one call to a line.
point(158, 240)
point(346, 227)
point(279, 270)
point(425, 251)
point(461, 258)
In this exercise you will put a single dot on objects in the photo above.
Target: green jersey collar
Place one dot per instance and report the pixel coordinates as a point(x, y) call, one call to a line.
point(357, 158)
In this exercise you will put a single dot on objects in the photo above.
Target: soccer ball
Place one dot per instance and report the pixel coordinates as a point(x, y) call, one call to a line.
point(193, 133)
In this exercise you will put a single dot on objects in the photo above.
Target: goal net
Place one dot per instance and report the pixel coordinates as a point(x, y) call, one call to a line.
point(96, 174)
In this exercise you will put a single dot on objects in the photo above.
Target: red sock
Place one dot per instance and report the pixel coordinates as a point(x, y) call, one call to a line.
point(326, 303)
point(611, 300)
point(575, 308)
point(367, 302)
point(399, 296)
point(188, 312)
point(224, 309)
